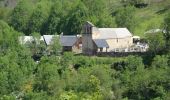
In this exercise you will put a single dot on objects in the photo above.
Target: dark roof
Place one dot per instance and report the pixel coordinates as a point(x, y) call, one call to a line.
point(65, 40)
point(101, 43)
point(68, 40)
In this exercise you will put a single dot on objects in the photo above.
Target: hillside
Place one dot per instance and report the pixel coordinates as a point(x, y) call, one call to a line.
point(149, 17)
point(38, 39)
point(152, 16)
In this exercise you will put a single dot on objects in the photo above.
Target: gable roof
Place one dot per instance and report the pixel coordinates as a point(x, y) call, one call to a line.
point(67, 40)
point(109, 33)
point(101, 43)
point(48, 39)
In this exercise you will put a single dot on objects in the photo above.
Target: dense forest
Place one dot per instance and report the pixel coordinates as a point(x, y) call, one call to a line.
point(76, 77)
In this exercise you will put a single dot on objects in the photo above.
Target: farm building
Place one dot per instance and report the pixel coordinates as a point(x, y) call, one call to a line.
point(104, 39)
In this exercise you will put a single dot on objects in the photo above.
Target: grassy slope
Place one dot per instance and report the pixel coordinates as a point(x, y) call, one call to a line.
point(148, 17)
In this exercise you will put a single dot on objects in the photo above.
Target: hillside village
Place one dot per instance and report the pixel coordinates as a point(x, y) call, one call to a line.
point(84, 49)
point(94, 40)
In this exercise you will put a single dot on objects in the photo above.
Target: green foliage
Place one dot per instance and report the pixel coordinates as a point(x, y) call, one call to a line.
point(53, 24)
point(4, 13)
point(93, 84)
point(7, 97)
point(39, 17)
point(8, 36)
point(160, 62)
point(156, 42)
point(20, 16)
point(68, 96)
point(55, 48)
point(75, 19)
point(74, 77)
point(37, 47)
point(132, 2)
point(167, 29)
point(47, 76)
point(125, 18)
point(134, 63)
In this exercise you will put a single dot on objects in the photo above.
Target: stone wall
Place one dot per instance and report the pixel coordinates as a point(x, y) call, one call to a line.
point(119, 54)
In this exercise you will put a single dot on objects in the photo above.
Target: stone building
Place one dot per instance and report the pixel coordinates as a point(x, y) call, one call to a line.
point(68, 42)
point(104, 39)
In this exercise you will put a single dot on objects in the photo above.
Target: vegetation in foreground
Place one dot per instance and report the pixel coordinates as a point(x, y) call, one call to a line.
point(71, 77)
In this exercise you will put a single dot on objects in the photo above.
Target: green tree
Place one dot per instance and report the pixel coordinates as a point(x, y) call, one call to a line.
point(156, 42)
point(20, 16)
point(134, 63)
point(160, 62)
point(37, 46)
point(47, 77)
point(75, 19)
point(56, 14)
point(125, 18)
point(8, 37)
point(56, 47)
point(39, 17)
point(99, 13)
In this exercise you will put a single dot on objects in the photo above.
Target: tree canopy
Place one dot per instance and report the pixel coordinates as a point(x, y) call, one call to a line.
point(35, 71)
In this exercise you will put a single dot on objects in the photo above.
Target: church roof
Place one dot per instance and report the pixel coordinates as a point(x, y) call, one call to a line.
point(109, 33)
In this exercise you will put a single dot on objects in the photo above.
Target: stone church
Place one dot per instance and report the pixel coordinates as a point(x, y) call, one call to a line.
point(104, 39)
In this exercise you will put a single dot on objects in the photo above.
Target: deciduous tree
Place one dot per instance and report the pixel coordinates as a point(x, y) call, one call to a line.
point(125, 18)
